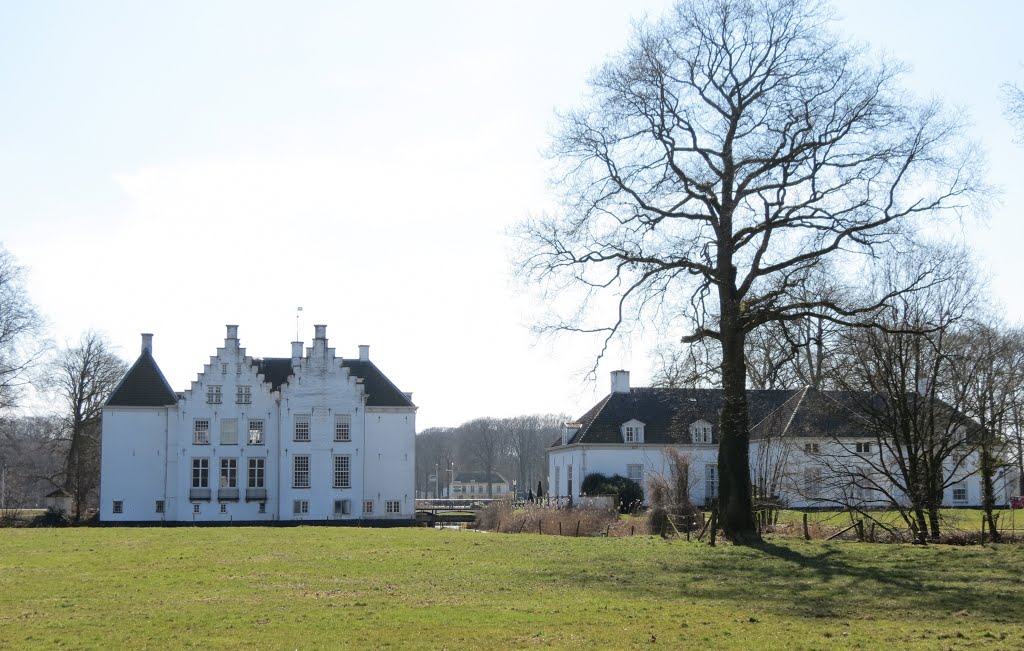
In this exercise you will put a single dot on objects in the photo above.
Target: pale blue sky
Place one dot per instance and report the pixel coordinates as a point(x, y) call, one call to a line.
point(175, 167)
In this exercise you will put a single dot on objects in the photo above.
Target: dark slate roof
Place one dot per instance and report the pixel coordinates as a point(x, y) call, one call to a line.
point(668, 413)
point(479, 477)
point(381, 392)
point(275, 370)
point(143, 385)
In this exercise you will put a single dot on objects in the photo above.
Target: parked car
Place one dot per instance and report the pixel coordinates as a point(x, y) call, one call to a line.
point(1017, 502)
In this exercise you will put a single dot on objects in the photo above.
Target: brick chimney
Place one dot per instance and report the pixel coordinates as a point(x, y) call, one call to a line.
point(147, 343)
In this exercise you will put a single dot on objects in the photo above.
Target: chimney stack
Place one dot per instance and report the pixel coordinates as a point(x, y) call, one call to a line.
point(620, 381)
point(364, 353)
point(296, 351)
point(232, 332)
point(320, 332)
point(147, 343)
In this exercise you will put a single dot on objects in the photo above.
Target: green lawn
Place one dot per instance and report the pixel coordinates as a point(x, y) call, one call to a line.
point(320, 587)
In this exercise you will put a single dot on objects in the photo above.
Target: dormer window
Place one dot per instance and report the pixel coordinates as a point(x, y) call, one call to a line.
point(568, 431)
point(700, 432)
point(633, 432)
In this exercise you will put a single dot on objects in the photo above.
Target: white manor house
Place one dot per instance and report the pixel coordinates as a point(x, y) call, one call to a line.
point(806, 448)
point(313, 437)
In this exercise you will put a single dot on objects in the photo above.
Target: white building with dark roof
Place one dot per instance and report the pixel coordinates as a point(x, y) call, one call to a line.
point(808, 448)
point(313, 437)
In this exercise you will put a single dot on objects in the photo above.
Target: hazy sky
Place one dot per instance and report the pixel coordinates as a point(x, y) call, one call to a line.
point(175, 167)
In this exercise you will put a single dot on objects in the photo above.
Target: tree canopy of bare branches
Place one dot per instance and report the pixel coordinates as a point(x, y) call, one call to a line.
point(1013, 107)
point(84, 375)
point(727, 154)
point(21, 331)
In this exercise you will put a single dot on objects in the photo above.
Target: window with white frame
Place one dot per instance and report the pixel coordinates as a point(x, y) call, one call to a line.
point(300, 471)
point(159, 506)
point(863, 447)
point(195, 508)
point(301, 427)
point(811, 448)
point(635, 471)
point(342, 471)
point(229, 473)
point(632, 432)
point(959, 493)
point(300, 507)
point(262, 508)
point(243, 395)
point(201, 431)
point(118, 506)
point(223, 508)
point(342, 427)
point(392, 506)
point(342, 507)
point(255, 431)
point(257, 472)
point(224, 369)
point(700, 432)
point(213, 394)
point(229, 431)
point(200, 473)
point(238, 368)
point(367, 506)
point(711, 480)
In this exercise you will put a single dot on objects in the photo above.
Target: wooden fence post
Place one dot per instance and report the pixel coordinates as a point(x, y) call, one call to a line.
point(714, 526)
point(860, 530)
point(577, 528)
point(540, 526)
point(807, 532)
point(559, 527)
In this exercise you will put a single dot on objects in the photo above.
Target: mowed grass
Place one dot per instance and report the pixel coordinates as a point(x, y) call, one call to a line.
point(322, 587)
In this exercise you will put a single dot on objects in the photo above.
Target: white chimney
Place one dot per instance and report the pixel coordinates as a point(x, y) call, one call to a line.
point(232, 332)
point(147, 343)
point(364, 353)
point(320, 332)
point(620, 381)
point(296, 351)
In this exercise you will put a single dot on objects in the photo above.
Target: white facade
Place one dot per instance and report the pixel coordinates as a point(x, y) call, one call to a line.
point(301, 439)
point(801, 471)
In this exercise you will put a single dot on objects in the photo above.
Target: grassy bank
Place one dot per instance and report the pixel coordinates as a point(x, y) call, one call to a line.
point(319, 587)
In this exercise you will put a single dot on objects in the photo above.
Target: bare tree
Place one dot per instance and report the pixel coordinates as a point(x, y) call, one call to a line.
point(988, 372)
point(1013, 108)
point(435, 455)
point(528, 439)
point(21, 332)
point(30, 455)
point(915, 436)
point(685, 366)
point(84, 375)
point(485, 442)
point(728, 153)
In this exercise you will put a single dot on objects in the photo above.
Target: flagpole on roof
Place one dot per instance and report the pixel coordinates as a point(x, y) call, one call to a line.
point(297, 312)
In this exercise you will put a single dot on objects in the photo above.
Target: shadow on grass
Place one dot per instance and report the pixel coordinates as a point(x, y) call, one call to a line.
point(820, 581)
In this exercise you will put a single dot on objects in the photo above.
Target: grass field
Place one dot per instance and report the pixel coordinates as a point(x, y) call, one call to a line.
point(322, 587)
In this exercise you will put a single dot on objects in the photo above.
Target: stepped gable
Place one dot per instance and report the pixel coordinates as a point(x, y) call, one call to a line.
point(381, 392)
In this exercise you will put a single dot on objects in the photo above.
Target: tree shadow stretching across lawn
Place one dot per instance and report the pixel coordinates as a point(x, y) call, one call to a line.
point(860, 581)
